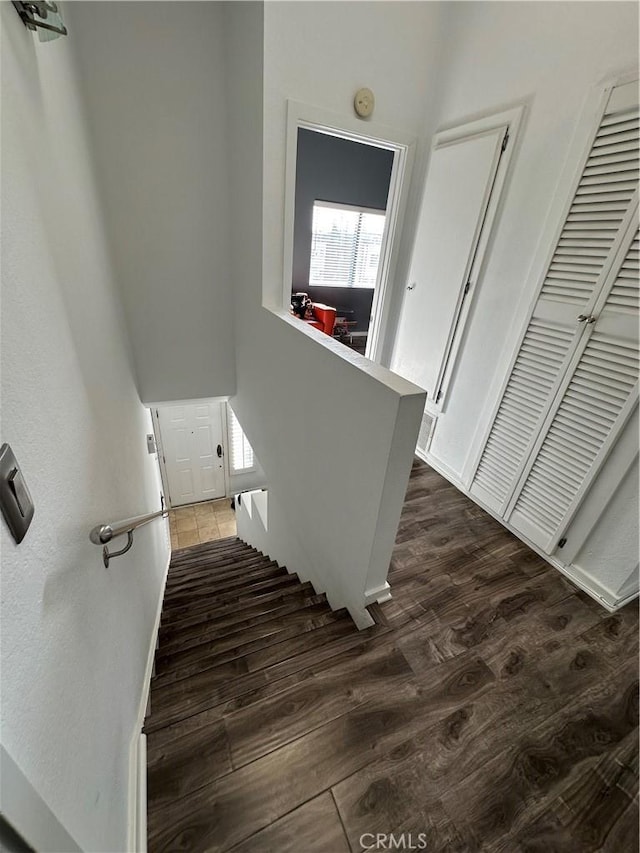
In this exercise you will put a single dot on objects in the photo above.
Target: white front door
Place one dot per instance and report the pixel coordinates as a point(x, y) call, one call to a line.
point(193, 448)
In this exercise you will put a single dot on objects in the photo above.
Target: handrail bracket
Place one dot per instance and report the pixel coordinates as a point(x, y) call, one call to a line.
point(107, 555)
point(102, 534)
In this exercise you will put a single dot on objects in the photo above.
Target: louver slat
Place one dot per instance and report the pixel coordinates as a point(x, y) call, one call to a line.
point(608, 182)
point(625, 293)
point(520, 412)
point(575, 437)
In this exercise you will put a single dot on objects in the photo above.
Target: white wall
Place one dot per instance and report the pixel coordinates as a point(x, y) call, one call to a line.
point(154, 85)
point(322, 427)
point(75, 636)
point(610, 554)
point(547, 55)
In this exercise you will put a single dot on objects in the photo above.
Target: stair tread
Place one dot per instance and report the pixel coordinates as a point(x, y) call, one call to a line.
point(217, 570)
point(212, 565)
point(215, 601)
point(234, 608)
point(216, 586)
point(238, 635)
point(209, 688)
point(202, 632)
point(193, 661)
point(215, 546)
point(185, 557)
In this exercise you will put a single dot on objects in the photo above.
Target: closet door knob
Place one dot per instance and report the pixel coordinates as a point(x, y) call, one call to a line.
point(582, 318)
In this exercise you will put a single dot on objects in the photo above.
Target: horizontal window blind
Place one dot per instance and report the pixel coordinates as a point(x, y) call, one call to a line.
point(345, 246)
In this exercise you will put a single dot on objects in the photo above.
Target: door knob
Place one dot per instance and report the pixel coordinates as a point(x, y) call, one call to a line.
point(219, 451)
point(582, 318)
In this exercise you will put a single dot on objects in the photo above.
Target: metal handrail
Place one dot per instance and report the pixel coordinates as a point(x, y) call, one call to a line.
point(104, 533)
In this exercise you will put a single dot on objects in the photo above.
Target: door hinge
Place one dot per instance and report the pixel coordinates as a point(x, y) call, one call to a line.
point(505, 140)
point(467, 287)
point(438, 396)
point(163, 459)
point(562, 543)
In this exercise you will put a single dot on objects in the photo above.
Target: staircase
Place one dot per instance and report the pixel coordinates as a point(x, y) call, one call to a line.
point(232, 621)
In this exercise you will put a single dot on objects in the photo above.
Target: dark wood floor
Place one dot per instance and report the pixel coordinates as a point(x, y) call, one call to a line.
point(493, 707)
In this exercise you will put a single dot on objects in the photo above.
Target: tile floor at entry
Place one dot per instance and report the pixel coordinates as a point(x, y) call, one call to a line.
point(201, 522)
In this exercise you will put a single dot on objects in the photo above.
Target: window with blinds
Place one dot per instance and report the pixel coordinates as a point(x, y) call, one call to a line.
point(574, 380)
point(241, 455)
point(345, 245)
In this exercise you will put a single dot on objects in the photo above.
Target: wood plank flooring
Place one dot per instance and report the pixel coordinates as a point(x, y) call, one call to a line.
point(493, 706)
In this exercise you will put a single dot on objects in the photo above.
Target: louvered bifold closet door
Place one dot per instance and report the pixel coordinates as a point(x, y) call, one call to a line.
point(593, 229)
point(597, 398)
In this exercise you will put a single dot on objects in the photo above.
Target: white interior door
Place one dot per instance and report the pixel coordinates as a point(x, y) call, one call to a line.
point(456, 196)
point(193, 450)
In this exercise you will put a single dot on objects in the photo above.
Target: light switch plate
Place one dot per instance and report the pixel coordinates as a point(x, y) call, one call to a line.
point(15, 500)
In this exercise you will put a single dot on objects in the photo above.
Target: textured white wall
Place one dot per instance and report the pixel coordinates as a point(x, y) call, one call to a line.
point(154, 85)
point(75, 636)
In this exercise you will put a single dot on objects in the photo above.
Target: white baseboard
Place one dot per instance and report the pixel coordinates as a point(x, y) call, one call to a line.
point(379, 594)
point(587, 583)
point(594, 588)
point(137, 828)
point(361, 617)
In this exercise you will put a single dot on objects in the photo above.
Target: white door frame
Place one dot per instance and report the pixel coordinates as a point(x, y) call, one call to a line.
point(301, 115)
point(160, 450)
